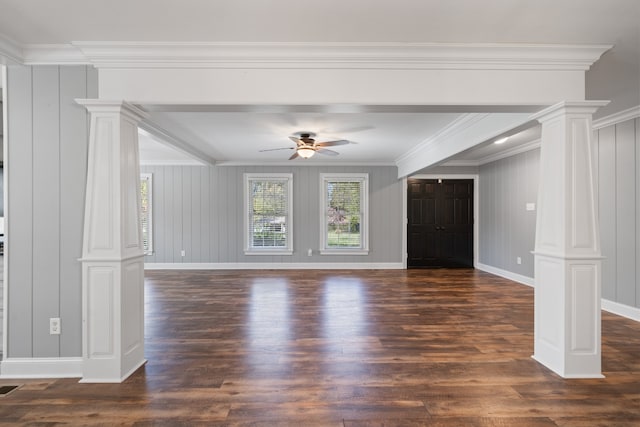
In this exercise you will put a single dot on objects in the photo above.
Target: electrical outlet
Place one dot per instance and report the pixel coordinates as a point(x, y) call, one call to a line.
point(519, 260)
point(183, 252)
point(309, 252)
point(54, 326)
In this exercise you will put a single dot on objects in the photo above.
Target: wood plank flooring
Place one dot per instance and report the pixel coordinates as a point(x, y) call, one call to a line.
point(342, 348)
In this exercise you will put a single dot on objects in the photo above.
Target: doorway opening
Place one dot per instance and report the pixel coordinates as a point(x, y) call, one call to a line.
point(440, 223)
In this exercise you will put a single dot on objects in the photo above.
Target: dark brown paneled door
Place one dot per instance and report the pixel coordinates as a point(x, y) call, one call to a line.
point(440, 223)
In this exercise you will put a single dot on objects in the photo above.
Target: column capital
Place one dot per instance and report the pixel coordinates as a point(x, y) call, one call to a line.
point(568, 107)
point(108, 106)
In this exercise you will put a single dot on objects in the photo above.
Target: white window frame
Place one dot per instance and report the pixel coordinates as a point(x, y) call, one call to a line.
point(248, 248)
point(363, 179)
point(149, 178)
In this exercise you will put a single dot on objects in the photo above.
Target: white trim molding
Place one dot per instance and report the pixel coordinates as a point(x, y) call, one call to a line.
point(619, 117)
point(351, 55)
point(275, 266)
point(10, 51)
point(509, 152)
point(465, 132)
point(41, 367)
point(629, 312)
point(519, 278)
point(354, 55)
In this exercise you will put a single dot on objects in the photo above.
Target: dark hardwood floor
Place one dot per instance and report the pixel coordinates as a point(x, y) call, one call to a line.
point(342, 348)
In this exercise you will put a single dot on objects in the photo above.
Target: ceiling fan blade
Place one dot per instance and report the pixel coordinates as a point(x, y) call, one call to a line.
point(326, 151)
point(276, 149)
point(296, 140)
point(294, 156)
point(332, 143)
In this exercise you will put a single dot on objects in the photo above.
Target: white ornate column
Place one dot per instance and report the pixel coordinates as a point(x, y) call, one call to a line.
point(567, 246)
point(112, 252)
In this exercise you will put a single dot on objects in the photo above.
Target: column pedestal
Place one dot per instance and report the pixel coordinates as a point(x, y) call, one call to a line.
point(567, 248)
point(112, 255)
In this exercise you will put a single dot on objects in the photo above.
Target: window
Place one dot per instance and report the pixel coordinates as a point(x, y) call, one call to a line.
point(146, 191)
point(268, 213)
point(345, 214)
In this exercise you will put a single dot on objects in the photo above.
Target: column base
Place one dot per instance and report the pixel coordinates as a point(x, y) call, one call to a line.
point(567, 315)
point(113, 319)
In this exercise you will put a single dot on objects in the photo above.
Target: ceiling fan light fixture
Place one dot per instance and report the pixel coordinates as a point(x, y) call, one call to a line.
point(305, 152)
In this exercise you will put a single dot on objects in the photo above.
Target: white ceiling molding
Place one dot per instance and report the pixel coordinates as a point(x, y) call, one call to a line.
point(522, 148)
point(164, 137)
point(473, 129)
point(457, 126)
point(10, 51)
point(619, 117)
point(469, 56)
point(58, 54)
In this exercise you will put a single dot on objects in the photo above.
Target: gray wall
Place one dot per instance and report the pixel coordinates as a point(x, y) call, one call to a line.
point(507, 229)
point(617, 156)
point(200, 209)
point(46, 175)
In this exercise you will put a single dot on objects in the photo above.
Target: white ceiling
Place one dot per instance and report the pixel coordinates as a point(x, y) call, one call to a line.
point(381, 137)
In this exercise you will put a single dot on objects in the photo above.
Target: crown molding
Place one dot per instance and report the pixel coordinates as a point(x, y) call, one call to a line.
point(619, 117)
point(457, 126)
point(53, 54)
point(10, 51)
point(163, 136)
point(266, 163)
point(472, 56)
point(509, 152)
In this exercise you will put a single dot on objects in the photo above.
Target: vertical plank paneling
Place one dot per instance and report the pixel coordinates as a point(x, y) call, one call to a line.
point(73, 169)
point(205, 215)
point(507, 230)
point(196, 215)
point(223, 214)
point(187, 210)
point(637, 123)
point(625, 213)
point(169, 202)
point(46, 209)
point(607, 200)
point(178, 224)
point(48, 136)
point(210, 219)
point(214, 178)
point(19, 209)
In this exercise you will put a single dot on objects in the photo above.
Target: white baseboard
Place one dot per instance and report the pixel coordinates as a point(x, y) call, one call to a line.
point(41, 367)
point(529, 281)
point(629, 312)
point(273, 266)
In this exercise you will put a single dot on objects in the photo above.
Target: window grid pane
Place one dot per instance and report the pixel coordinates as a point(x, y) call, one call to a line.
point(343, 214)
point(145, 213)
point(268, 223)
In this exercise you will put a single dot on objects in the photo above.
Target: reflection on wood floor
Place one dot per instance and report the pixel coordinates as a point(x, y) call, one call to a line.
point(342, 348)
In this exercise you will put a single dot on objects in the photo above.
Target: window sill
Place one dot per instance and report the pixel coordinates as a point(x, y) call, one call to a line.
point(344, 252)
point(268, 252)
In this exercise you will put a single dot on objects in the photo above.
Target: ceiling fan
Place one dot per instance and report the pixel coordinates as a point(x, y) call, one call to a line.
point(306, 145)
